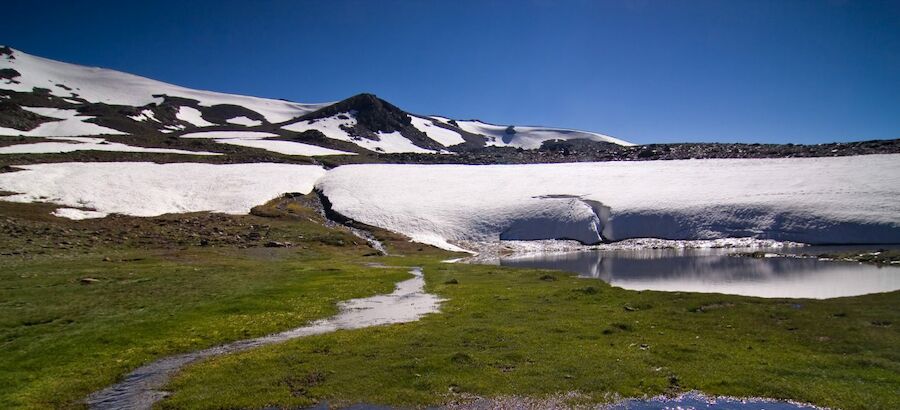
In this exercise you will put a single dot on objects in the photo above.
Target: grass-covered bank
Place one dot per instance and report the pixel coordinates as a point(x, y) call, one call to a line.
point(73, 324)
point(534, 333)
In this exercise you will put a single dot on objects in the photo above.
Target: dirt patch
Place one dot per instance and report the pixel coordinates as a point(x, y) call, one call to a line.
point(13, 116)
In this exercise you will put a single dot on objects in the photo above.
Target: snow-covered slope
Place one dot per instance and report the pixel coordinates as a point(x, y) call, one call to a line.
point(814, 200)
point(70, 144)
point(152, 107)
point(335, 127)
point(255, 139)
point(148, 189)
point(113, 87)
point(443, 136)
point(528, 137)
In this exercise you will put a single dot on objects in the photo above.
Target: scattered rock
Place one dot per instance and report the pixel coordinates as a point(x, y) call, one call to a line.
point(277, 244)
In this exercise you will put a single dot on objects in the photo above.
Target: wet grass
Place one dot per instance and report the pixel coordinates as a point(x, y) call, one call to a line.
point(71, 323)
point(507, 331)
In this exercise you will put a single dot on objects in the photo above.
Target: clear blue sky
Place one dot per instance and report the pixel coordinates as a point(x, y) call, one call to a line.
point(645, 71)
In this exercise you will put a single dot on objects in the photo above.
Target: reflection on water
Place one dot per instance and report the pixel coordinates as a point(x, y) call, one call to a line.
point(717, 271)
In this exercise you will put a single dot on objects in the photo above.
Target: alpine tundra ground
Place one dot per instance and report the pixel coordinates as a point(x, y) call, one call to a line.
point(85, 302)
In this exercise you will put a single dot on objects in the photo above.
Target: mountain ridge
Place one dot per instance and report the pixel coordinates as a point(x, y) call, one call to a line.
point(55, 108)
point(372, 123)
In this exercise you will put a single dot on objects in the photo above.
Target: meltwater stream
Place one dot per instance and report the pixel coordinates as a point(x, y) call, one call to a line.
point(719, 270)
point(141, 388)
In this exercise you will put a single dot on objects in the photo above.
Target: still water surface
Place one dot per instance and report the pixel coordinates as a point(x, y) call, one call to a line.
point(719, 271)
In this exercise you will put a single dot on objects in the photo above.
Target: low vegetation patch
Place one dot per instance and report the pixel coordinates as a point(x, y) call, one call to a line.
point(502, 333)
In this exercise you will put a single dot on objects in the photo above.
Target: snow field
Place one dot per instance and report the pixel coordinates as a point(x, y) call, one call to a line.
point(149, 189)
point(530, 137)
point(114, 87)
point(811, 200)
point(392, 142)
point(70, 144)
point(443, 136)
point(256, 139)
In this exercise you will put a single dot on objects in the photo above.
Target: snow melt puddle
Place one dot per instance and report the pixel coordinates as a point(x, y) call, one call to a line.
point(696, 400)
point(719, 270)
point(407, 303)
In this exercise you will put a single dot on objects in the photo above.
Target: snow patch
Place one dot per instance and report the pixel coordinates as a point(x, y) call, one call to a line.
point(393, 142)
point(249, 135)
point(145, 115)
point(530, 137)
point(330, 126)
point(333, 127)
point(810, 200)
point(243, 121)
point(443, 136)
point(100, 85)
point(149, 189)
point(77, 214)
point(193, 116)
point(256, 139)
point(284, 147)
point(72, 144)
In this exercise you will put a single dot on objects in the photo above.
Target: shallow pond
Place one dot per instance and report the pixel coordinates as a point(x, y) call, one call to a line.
point(720, 271)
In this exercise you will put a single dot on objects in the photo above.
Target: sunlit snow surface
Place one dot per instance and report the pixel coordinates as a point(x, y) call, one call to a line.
point(254, 139)
point(333, 127)
point(71, 144)
point(526, 137)
point(149, 189)
point(145, 115)
point(811, 200)
point(285, 147)
point(243, 121)
point(113, 87)
point(443, 136)
point(193, 116)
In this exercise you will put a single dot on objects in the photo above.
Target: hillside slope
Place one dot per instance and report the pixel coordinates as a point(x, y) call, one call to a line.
point(94, 101)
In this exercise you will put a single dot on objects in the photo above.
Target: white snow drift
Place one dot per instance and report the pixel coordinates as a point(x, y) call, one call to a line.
point(79, 84)
point(70, 144)
point(148, 189)
point(247, 122)
point(443, 136)
point(192, 116)
point(113, 87)
point(255, 139)
point(812, 200)
point(528, 137)
point(285, 147)
point(333, 127)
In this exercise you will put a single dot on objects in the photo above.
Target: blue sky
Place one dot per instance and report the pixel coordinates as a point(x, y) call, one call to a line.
point(644, 71)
